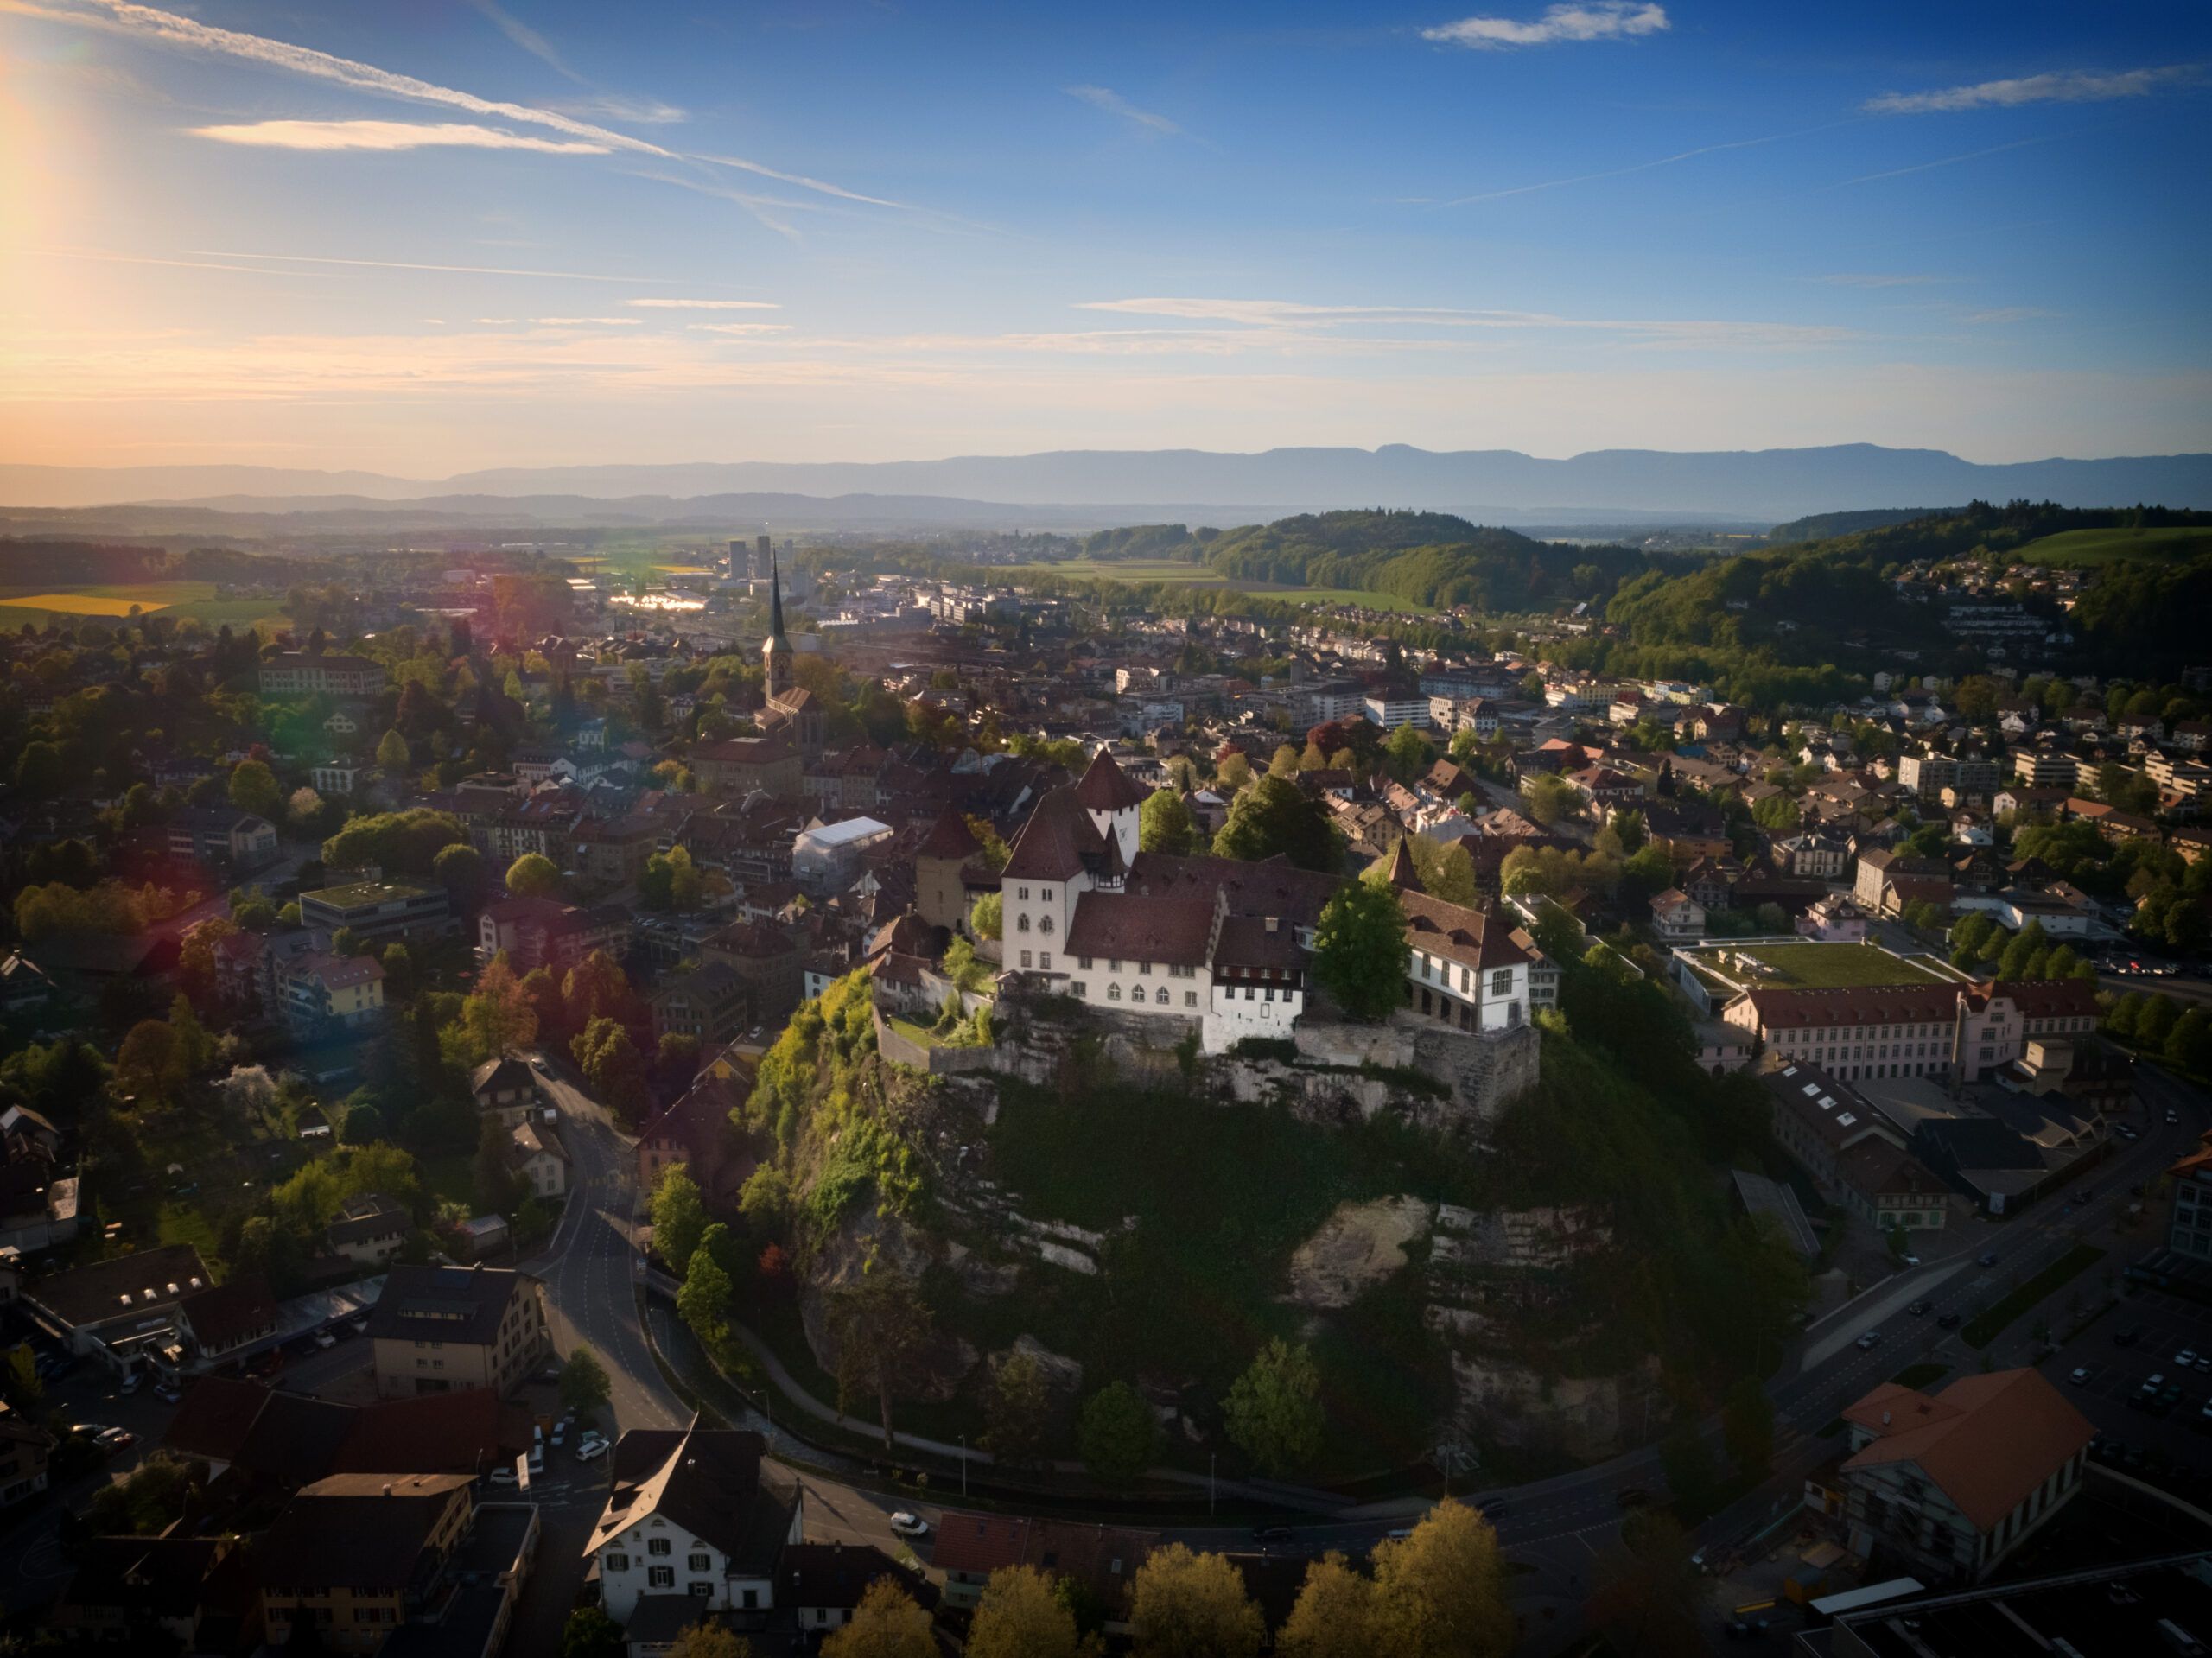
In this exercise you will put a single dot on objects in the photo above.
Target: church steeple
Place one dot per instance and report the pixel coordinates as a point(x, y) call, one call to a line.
point(775, 654)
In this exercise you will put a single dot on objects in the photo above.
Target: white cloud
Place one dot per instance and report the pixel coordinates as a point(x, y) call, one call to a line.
point(618, 106)
point(1292, 314)
point(2008, 314)
point(410, 264)
point(2070, 87)
point(705, 304)
point(1104, 98)
point(743, 330)
point(1875, 279)
point(389, 135)
point(589, 321)
point(1604, 19)
point(167, 29)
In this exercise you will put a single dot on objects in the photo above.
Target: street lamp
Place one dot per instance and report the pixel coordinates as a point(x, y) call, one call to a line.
point(963, 1467)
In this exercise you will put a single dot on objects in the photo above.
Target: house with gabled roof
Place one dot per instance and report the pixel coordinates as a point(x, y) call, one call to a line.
point(700, 1514)
point(1951, 1484)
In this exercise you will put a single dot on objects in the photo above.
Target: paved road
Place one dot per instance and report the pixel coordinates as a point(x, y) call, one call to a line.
point(589, 1266)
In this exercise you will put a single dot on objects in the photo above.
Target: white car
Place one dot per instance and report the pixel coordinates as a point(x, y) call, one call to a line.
point(325, 1340)
point(537, 1459)
point(1868, 1340)
point(505, 1474)
point(909, 1525)
point(591, 1448)
point(2081, 1376)
point(2185, 1358)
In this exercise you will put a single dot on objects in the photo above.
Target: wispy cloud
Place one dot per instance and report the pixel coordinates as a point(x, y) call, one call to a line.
point(589, 321)
point(744, 330)
point(1106, 98)
point(1269, 312)
point(167, 29)
point(525, 37)
point(2070, 87)
point(392, 136)
point(1636, 166)
point(2008, 314)
point(1942, 161)
point(618, 106)
point(1604, 19)
point(705, 304)
point(410, 264)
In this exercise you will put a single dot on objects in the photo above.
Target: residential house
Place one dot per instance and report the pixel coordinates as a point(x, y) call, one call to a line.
point(697, 1512)
point(696, 1131)
point(323, 992)
point(1676, 918)
point(301, 673)
point(123, 1311)
point(711, 1003)
point(172, 1594)
point(25, 1448)
point(379, 910)
point(369, 1230)
point(354, 1556)
point(1948, 1485)
point(452, 1329)
point(1102, 1559)
point(223, 837)
point(505, 1085)
point(537, 1159)
point(820, 1584)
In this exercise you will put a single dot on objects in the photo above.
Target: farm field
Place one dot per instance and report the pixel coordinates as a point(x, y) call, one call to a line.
point(1813, 966)
point(193, 601)
point(2163, 546)
point(1133, 570)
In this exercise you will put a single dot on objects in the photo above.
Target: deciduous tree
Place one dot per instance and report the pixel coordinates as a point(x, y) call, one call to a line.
point(1359, 949)
point(885, 1624)
point(880, 1323)
point(1018, 1409)
point(1440, 1591)
point(679, 1214)
point(1188, 1606)
point(1020, 1616)
point(1273, 816)
point(1164, 824)
point(1117, 1433)
point(1274, 1410)
point(533, 875)
point(1334, 1617)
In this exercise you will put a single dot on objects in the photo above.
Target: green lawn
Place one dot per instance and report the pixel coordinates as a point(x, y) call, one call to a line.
point(1133, 570)
point(1834, 967)
point(2075, 547)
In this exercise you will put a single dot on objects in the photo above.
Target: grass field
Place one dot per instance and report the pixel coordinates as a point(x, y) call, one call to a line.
point(1200, 575)
point(2076, 547)
point(193, 601)
point(1835, 967)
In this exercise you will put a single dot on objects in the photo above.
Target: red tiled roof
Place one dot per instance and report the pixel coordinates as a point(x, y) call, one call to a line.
point(1055, 842)
point(1118, 925)
point(1985, 1441)
point(1459, 934)
point(1106, 787)
point(950, 838)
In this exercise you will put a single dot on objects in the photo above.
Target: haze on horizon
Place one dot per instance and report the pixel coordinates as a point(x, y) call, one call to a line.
point(427, 239)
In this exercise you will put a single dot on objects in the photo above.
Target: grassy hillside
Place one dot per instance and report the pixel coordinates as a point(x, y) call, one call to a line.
point(2081, 549)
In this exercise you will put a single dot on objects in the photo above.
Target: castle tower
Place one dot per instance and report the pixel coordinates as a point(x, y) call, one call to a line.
point(1113, 802)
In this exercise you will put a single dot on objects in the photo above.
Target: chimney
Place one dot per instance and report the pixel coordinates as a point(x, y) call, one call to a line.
point(1885, 1418)
point(387, 1488)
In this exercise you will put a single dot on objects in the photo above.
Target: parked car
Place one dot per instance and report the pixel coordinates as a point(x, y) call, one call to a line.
point(505, 1474)
point(1920, 1309)
point(1986, 1260)
point(1260, 1533)
point(117, 1438)
point(2128, 1336)
point(1746, 1629)
point(591, 1448)
point(537, 1459)
point(1868, 1340)
point(2081, 1376)
point(132, 1382)
point(2185, 1358)
point(913, 1525)
point(1950, 1320)
point(2172, 1115)
point(325, 1340)
point(169, 1393)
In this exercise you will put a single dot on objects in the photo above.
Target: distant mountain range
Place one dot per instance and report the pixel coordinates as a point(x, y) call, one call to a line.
point(1089, 486)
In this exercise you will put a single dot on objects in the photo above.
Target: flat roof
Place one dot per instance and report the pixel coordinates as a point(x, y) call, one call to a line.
point(2082, 1614)
point(353, 894)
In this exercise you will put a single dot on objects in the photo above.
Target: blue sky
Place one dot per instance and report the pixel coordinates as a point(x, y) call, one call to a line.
point(428, 235)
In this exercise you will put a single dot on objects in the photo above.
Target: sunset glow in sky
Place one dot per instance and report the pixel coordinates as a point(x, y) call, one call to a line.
point(425, 236)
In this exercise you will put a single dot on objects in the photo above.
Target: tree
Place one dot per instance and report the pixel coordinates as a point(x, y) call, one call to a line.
point(149, 1066)
point(614, 1069)
point(1164, 824)
point(460, 869)
point(987, 918)
point(671, 881)
point(1017, 1410)
point(1408, 752)
point(533, 875)
point(885, 1624)
point(391, 754)
point(765, 1200)
point(1187, 1606)
point(1551, 798)
point(1439, 1592)
point(880, 1323)
point(1117, 1433)
point(2188, 1045)
point(1359, 949)
point(1274, 1410)
point(704, 1640)
point(253, 788)
point(1747, 1425)
point(1687, 1461)
point(1020, 1615)
point(1273, 817)
point(496, 1019)
point(679, 1215)
point(589, 1633)
point(1651, 1598)
point(584, 1385)
point(2153, 1024)
point(703, 1300)
point(497, 1190)
point(597, 987)
point(1334, 1617)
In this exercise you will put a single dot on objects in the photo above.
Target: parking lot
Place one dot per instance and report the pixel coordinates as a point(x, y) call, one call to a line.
point(2165, 1327)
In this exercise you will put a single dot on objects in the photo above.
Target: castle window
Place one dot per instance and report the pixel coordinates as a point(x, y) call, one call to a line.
point(1022, 892)
point(1084, 962)
point(1044, 923)
point(1078, 987)
point(1160, 995)
point(1189, 999)
point(1022, 925)
point(1113, 992)
point(1045, 959)
point(1025, 958)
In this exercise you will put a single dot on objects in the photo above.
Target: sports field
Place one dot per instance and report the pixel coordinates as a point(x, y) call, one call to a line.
point(2083, 546)
point(194, 601)
point(1814, 966)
